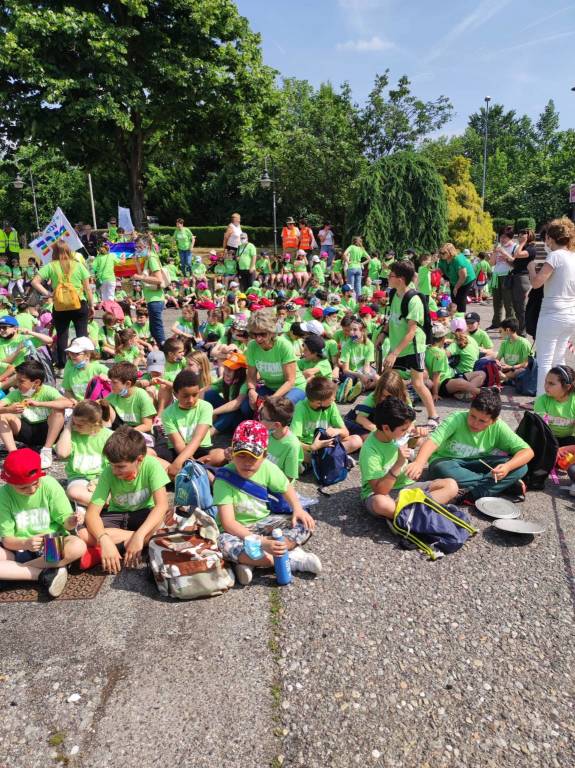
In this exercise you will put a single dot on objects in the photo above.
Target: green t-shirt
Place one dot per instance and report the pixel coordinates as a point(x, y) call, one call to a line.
point(460, 262)
point(482, 339)
point(230, 266)
point(107, 336)
point(468, 355)
point(131, 495)
point(348, 305)
point(285, 454)
point(152, 292)
point(269, 363)
point(173, 272)
point(248, 510)
point(25, 320)
point(128, 355)
point(184, 422)
point(94, 332)
point(398, 326)
point(374, 268)
point(198, 269)
point(514, 351)
point(78, 273)
point(436, 362)
point(305, 420)
point(183, 238)
point(262, 265)
point(9, 346)
point(142, 331)
point(134, 408)
point(323, 366)
point(424, 280)
point(356, 255)
point(376, 458)
point(455, 440)
point(86, 458)
point(35, 415)
point(45, 511)
point(357, 355)
point(76, 379)
point(336, 266)
point(245, 254)
point(218, 328)
point(104, 267)
point(560, 416)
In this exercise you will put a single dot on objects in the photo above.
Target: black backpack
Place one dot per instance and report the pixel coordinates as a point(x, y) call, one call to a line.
point(539, 437)
point(407, 297)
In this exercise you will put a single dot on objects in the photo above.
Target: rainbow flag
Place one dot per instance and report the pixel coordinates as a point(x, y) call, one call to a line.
point(125, 260)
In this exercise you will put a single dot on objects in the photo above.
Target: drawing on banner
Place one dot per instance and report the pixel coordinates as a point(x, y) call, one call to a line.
point(59, 228)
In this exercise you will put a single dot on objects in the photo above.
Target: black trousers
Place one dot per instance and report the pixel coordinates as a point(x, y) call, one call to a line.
point(245, 279)
point(460, 298)
point(62, 322)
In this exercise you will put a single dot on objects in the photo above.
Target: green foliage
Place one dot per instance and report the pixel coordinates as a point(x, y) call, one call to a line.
point(399, 203)
point(499, 222)
point(469, 225)
point(525, 223)
point(212, 237)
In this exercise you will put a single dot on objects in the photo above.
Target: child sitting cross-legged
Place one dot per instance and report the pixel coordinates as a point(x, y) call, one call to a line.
point(240, 514)
point(131, 405)
point(134, 487)
point(514, 350)
point(31, 506)
point(80, 368)
point(284, 449)
point(383, 460)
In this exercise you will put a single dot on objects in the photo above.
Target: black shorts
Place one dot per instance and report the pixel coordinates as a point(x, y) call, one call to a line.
point(414, 362)
point(127, 521)
point(32, 433)
point(165, 451)
point(443, 388)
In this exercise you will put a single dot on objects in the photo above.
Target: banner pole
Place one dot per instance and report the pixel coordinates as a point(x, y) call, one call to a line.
point(92, 201)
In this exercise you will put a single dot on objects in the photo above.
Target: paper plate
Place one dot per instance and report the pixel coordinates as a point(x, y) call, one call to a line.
point(526, 527)
point(497, 508)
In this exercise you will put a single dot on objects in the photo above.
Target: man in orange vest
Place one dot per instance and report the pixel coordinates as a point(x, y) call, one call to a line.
point(290, 237)
point(307, 241)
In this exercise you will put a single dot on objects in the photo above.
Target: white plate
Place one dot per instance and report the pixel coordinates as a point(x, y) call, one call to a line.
point(526, 527)
point(491, 506)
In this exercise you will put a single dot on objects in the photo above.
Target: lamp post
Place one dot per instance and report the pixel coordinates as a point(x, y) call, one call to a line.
point(487, 100)
point(19, 184)
point(267, 181)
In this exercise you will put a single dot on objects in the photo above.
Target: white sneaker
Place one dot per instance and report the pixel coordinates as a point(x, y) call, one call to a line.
point(305, 562)
point(54, 580)
point(46, 458)
point(244, 574)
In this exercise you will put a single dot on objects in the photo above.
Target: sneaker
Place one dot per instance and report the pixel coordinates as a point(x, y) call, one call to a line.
point(354, 392)
point(54, 580)
point(91, 557)
point(351, 462)
point(46, 458)
point(244, 574)
point(304, 562)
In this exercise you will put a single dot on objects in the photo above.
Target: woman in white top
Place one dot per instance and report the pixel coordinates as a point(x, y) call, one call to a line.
point(233, 233)
point(501, 260)
point(556, 322)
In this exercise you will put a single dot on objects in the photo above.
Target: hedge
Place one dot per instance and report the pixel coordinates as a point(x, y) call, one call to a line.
point(212, 237)
point(499, 223)
point(526, 223)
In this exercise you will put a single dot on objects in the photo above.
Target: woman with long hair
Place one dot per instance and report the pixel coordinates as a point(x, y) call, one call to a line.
point(523, 255)
point(151, 278)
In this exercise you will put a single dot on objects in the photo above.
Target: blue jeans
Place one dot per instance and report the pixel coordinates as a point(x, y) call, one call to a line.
point(353, 277)
point(330, 254)
point(155, 309)
point(185, 262)
point(295, 395)
point(226, 422)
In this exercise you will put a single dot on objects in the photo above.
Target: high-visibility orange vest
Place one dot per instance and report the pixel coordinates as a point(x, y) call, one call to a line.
point(305, 238)
point(290, 237)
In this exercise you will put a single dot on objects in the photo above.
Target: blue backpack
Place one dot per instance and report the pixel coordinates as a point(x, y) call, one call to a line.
point(526, 380)
point(329, 464)
point(193, 489)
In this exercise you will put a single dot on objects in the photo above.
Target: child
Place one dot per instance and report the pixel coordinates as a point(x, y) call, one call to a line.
point(479, 336)
point(33, 412)
point(13, 341)
point(241, 514)
point(466, 442)
point(514, 350)
point(483, 270)
point(141, 326)
point(127, 349)
point(557, 405)
point(443, 381)
point(107, 336)
point(133, 486)
point(80, 368)
point(198, 362)
point(314, 361)
point(283, 446)
point(130, 404)
point(31, 506)
point(30, 271)
point(348, 301)
point(359, 420)
point(187, 326)
point(300, 269)
point(424, 275)
point(383, 460)
point(82, 442)
point(227, 394)
point(462, 355)
point(356, 360)
point(318, 409)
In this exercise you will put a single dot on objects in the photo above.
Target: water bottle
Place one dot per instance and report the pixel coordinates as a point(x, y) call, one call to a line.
point(253, 547)
point(281, 562)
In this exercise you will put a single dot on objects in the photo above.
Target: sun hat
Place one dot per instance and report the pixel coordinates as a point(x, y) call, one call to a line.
point(324, 255)
point(301, 253)
point(290, 220)
point(333, 298)
point(458, 324)
point(234, 284)
point(366, 311)
point(156, 361)
point(287, 257)
point(300, 302)
point(22, 467)
point(235, 361)
point(81, 344)
point(315, 259)
point(290, 306)
point(250, 437)
point(442, 313)
point(312, 326)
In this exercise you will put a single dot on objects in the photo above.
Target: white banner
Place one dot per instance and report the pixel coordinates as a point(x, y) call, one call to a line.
point(59, 228)
point(125, 219)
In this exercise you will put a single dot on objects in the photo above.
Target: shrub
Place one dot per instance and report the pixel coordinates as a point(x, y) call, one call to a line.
point(499, 222)
point(528, 222)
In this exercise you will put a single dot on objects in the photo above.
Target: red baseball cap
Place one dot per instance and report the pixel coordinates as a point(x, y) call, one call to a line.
point(22, 467)
point(299, 302)
point(267, 302)
point(250, 437)
point(317, 313)
point(366, 311)
point(380, 295)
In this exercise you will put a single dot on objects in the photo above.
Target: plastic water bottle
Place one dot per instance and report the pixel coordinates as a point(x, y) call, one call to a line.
point(281, 562)
point(253, 547)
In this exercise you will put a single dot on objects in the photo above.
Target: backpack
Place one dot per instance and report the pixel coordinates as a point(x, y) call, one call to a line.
point(433, 528)
point(187, 564)
point(114, 309)
point(435, 278)
point(42, 356)
point(193, 490)
point(276, 503)
point(407, 297)
point(66, 296)
point(526, 380)
point(491, 370)
point(539, 437)
point(329, 464)
point(98, 388)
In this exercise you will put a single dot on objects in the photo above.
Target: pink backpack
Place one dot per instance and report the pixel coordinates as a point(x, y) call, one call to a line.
point(98, 388)
point(114, 309)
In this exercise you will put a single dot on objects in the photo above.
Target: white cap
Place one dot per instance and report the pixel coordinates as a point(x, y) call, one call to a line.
point(233, 284)
point(312, 326)
point(315, 258)
point(81, 344)
point(467, 252)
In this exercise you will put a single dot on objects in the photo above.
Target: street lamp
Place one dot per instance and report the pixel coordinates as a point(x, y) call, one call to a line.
point(19, 184)
point(487, 100)
point(267, 181)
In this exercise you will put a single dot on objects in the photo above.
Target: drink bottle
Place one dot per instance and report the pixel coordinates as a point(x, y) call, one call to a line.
point(281, 562)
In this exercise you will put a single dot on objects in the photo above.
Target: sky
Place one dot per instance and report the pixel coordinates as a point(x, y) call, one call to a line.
point(518, 52)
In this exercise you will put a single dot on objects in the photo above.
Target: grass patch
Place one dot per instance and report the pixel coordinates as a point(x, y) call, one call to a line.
point(57, 739)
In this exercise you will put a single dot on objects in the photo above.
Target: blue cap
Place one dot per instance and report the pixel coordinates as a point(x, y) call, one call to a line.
point(346, 287)
point(9, 320)
point(442, 313)
point(330, 311)
point(281, 294)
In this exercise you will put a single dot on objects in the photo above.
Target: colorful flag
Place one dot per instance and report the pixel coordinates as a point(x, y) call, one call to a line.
point(125, 219)
point(125, 262)
point(59, 228)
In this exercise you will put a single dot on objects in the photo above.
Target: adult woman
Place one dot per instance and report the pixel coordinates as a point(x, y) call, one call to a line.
point(459, 271)
point(556, 322)
point(65, 269)
point(272, 359)
point(521, 285)
point(185, 240)
point(151, 278)
point(327, 242)
point(501, 260)
point(233, 234)
point(352, 260)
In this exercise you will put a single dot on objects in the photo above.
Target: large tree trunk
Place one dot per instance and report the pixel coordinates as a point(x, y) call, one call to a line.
point(138, 203)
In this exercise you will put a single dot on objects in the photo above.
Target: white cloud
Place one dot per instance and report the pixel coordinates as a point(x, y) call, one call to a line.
point(365, 46)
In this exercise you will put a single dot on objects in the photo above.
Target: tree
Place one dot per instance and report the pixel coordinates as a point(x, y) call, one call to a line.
point(399, 203)
point(468, 224)
point(108, 81)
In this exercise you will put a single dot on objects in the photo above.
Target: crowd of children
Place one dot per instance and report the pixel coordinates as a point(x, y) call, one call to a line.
point(126, 415)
